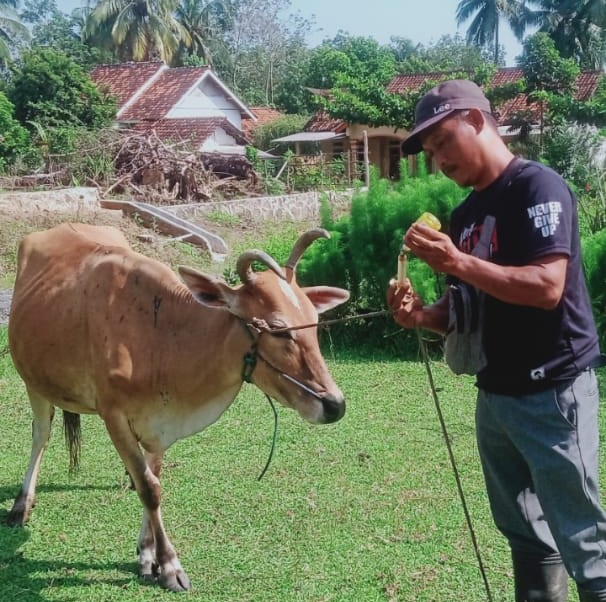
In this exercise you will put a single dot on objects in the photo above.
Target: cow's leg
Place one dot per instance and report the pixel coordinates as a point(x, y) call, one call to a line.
point(43, 413)
point(171, 574)
point(146, 547)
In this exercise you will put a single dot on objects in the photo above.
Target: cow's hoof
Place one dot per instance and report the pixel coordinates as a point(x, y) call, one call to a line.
point(16, 518)
point(176, 582)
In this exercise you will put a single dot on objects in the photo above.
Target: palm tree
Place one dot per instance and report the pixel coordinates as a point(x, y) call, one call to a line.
point(12, 30)
point(578, 28)
point(203, 20)
point(140, 30)
point(484, 28)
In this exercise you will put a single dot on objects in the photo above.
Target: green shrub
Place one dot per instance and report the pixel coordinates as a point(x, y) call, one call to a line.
point(361, 255)
point(594, 255)
point(278, 128)
point(14, 139)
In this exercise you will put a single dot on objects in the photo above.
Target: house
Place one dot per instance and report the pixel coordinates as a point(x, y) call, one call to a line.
point(384, 143)
point(189, 104)
point(506, 112)
point(263, 115)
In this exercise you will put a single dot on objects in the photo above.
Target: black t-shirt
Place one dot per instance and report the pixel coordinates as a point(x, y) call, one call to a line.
point(527, 348)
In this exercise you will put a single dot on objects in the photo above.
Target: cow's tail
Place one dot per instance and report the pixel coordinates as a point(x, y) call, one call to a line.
point(73, 438)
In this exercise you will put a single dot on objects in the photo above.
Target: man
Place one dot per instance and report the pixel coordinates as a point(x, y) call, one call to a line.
point(537, 403)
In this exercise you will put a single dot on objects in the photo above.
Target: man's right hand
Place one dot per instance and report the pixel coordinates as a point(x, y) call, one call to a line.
point(405, 303)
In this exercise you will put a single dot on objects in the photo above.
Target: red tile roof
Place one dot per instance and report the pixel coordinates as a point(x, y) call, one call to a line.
point(586, 85)
point(163, 93)
point(195, 131)
point(125, 79)
point(323, 122)
point(263, 114)
point(413, 81)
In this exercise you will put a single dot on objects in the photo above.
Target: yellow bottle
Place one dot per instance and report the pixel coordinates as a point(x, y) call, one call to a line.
point(429, 219)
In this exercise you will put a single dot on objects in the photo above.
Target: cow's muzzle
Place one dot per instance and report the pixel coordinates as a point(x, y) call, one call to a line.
point(334, 408)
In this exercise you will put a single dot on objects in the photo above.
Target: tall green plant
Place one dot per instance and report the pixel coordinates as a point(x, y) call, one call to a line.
point(594, 256)
point(362, 252)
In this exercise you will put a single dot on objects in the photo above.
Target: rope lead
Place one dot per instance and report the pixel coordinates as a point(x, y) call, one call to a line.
point(453, 463)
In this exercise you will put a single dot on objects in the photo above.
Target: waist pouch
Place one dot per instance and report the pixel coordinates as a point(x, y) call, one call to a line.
point(463, 347)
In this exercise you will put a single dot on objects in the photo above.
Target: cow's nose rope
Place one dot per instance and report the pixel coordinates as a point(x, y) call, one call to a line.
point(249, 363)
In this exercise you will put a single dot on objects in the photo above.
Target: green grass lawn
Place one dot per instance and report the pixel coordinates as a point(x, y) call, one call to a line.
point(363, 510)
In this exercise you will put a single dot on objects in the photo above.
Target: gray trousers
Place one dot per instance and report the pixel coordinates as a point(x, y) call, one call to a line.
point(539, 455)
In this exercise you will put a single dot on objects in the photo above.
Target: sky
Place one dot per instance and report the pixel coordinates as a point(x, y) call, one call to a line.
point(423, 21)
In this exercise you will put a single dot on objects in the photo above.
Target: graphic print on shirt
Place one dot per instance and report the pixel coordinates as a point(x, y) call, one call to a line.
point(545, 217)
point(470, 236)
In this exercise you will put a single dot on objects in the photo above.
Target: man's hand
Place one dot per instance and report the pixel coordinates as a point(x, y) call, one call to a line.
point(405, 303)
point(433, 247)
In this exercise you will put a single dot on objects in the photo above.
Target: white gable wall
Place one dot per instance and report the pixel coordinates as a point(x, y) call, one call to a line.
point(207, 100)
point(218, 139)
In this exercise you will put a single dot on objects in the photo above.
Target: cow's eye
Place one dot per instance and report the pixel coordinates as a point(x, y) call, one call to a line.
point(282, 334)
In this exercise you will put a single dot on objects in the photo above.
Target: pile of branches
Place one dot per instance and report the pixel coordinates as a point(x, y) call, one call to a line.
point(167, 173)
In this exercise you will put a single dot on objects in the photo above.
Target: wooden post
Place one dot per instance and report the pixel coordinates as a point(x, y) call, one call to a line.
point(366, 161)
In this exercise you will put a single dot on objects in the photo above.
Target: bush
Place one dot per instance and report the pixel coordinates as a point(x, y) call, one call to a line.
point(361, 255)
point(594, 256)
point(14, 140)
point(278, 128)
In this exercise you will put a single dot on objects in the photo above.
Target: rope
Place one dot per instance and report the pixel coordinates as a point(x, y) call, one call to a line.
point(453, 464)
point(371, 314)
point(260, 327)
point(273, 441)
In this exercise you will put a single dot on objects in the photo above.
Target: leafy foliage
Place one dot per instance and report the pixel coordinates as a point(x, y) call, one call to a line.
point(362, 252)
point(283, 126)
point(486, 15)
point(49, 88)
point(577, 27)
point(449, 53)
point(53, 29)
point(594, 255)
point(544, 68)
point(15, 139)
point(570, 150)
point(137, 30)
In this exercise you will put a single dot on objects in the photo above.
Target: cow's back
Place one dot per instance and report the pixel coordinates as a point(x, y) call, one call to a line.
point(61, 319)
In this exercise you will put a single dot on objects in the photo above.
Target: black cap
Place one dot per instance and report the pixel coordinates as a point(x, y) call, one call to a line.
point(438, 103)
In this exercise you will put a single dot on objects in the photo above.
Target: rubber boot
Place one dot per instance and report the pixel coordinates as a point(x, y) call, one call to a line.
point(539, 579)
point(587, 596)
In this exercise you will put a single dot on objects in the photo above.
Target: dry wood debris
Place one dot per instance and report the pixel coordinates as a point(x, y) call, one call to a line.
point(146, 168)
point(173, 173)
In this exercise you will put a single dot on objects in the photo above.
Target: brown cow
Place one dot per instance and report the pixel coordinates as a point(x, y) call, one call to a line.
point(98, 328)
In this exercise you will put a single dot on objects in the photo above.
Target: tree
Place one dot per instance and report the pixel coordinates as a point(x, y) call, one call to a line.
point(139, 30)
point(484, 29)
point(14, 139)
point(204, 21)
point(449, 53)
point(357, 71)
point(12, 30)
point(577, 27)
point(263, 41)
point(544, 68)
point(547, 77)
point(53, 29)
point(50, 89)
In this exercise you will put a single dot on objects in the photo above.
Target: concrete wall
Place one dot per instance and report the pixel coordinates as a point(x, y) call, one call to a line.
point(285, 207)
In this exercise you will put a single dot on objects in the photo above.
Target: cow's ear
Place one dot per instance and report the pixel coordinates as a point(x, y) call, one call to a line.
point(207, 290)
point(326, 297)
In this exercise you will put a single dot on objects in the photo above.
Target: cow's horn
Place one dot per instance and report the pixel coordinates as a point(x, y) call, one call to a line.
point(243, 265)
point(301, 245)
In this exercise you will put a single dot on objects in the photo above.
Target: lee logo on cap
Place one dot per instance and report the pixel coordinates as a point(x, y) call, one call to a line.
point(441, 108)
